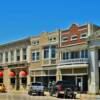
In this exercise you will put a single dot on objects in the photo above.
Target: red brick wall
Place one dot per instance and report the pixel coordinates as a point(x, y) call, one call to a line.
point(74, 30)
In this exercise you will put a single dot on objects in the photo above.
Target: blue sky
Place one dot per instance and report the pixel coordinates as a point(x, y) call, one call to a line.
point(24, 18)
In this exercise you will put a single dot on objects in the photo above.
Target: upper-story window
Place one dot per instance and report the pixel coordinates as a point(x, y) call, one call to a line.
point(65, 55)
point(50, 52)
point(12, 55)
point(6, 56)
point(64, 38)
point(46, 52)
point(35, 55)
point(53, 51)
point(84, 53)
point(18, 55)
point(75, 54)
point(35, 42)
point(52, 39)
point(24, 53)
point(74, 37)
point(1, 57)
point(83, 36)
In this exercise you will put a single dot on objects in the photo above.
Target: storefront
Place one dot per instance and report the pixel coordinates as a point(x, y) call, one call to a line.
point(76, 76)
point(44, 76)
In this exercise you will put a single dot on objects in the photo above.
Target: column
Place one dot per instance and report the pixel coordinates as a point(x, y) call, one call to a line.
point(58, 75)
point(3, 57)
point(15, 55)
point(28, 53)
point(9, 56)
point(93, 81)
point(21, 54)
point(6, 79)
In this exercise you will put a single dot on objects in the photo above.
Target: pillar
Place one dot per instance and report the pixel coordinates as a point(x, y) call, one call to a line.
point(6, 79)
point(58, 75)
point(93, 82)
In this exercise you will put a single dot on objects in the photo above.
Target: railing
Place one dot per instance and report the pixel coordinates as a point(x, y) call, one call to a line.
point(74, 61)
point(49, 61)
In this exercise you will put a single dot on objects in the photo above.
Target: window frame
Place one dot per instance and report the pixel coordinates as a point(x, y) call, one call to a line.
point(74, 38)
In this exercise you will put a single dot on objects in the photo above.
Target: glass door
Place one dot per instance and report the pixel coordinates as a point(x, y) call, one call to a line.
point(79, 83)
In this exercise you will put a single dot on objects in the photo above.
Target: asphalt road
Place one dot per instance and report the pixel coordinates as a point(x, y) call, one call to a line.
point(25, 96)
point(21, 96)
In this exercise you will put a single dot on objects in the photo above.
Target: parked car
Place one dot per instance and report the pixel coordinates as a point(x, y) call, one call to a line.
point(2, 87)
point(37, 88)
point(65, 88)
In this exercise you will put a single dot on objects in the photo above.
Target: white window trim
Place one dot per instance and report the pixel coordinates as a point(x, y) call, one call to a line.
point(35, 42)
point(73, 36)
point(35, 56)
point(64, 40)
point(83, 37)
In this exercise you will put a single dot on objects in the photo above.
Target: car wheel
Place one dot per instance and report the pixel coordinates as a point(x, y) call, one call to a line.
point(42, 93)
point(29, 93)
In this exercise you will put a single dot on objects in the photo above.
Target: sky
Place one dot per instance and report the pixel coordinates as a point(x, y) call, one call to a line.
point(23, 18)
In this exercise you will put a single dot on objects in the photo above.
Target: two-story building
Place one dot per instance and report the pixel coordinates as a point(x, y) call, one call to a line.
point(14, 63)
point(44, 57)
point(78, 63)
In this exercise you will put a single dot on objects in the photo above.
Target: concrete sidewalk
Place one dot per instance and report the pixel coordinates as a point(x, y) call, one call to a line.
point(88, 96)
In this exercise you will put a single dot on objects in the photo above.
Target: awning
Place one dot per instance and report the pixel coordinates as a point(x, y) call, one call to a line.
point(1, 74)
point(12, 74)
point(72, 66)
point(23, 74)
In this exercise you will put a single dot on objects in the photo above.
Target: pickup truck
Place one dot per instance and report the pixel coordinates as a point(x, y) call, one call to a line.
point(66, 88)
point(37, 88)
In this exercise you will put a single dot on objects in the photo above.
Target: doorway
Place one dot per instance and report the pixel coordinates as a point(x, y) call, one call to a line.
point(79, 83)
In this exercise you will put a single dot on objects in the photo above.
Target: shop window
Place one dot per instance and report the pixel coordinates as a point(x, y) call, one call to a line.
point(12, 80)
point(24, 80)
point(1, 80)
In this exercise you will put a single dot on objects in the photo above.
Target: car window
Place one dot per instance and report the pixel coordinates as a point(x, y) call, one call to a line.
point(37, 84)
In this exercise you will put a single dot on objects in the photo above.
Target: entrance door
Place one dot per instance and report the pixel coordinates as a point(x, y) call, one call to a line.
point(79, 83)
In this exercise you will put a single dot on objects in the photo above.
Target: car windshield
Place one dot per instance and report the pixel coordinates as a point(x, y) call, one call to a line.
point(64, 82)
point(37, 84)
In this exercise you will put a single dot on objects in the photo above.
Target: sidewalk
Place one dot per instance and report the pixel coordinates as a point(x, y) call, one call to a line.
point(88, 96)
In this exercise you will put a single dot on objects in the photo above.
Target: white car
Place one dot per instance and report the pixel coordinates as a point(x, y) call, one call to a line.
point(36, 87)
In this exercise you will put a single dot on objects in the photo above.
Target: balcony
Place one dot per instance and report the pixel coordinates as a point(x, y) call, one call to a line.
point(74, 61)
point(46, 62)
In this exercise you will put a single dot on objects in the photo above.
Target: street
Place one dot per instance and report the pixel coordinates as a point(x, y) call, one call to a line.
point(24, 96)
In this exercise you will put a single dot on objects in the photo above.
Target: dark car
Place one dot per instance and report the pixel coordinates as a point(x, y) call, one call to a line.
point(65, 88)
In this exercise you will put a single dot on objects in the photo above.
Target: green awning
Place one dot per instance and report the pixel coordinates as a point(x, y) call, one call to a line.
point(11, 66)
point(1, 67)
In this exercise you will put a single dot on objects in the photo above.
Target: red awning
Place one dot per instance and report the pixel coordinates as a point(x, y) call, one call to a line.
point(12, 74)
point(23, 73)
point(1, 74)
